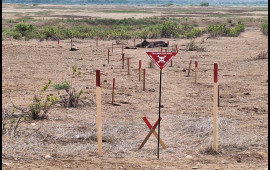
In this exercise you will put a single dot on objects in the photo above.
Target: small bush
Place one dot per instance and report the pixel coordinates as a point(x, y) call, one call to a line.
point(264, 28)
point(24, 28)
point(62, 86)
point(204, 4)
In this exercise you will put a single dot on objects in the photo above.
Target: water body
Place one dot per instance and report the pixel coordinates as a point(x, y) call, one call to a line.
point(145, 2)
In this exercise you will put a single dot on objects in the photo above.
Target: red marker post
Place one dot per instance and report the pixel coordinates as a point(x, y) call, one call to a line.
point(189, 68)
point(215, 108)
point(128, 65)
point(113, 91)
point(196, 71)
point(140, 67)
point(143, 79)
point(108, 56)
point(97, 41)
point(99, 121)
point(123, 61)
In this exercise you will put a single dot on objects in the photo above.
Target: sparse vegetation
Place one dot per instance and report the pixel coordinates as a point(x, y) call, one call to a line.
point(264, 29)
point(204, 3)
point(118, 29)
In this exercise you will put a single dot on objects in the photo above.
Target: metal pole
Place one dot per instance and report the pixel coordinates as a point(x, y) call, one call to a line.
point(159, 113)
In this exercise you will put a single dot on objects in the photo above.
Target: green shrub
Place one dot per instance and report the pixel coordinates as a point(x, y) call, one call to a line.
point(24, 28)
point(204, 4)
point(264, 28)
point(62, 86)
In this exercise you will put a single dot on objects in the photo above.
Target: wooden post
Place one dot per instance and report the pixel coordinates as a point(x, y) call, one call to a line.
point(140, 67)
point(99, 121)
point(108, 56)
point(113, 91)
point(143, 79)
point(128, 66)
point(218, 96)
point(112, 47)
point(189, 68)
point(123, 60)
point(196, 71)
point(58, 42)
point(71, 44)
point(215, 108)
point(97, 41)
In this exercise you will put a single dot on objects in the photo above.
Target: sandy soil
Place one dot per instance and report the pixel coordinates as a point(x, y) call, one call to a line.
point(67, 138)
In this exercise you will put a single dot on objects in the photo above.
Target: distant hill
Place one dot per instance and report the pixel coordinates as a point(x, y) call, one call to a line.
point(136, 2)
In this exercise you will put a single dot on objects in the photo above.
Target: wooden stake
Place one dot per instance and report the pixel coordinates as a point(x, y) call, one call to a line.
point(155, 133)
point(112, 47)
point(143, 79)
point(97, 41)
point(196, 71)
point(99, 121)
point(58, 42)
point(108, 56)
point(140, 67)
point(113, 91)
point(150, 132)
point(123, 61)
point(215, 108)
point(71, 44)
point(189, 68)
point(128, 66)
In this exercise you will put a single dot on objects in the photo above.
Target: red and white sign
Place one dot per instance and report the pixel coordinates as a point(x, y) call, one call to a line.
point(161, 59)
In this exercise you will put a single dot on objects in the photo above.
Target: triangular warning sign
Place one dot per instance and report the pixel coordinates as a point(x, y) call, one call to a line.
point(161, 59)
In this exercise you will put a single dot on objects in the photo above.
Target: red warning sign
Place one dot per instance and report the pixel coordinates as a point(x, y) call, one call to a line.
point(161, 58)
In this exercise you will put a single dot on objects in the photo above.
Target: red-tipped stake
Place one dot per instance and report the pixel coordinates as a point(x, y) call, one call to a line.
point(189, 68)
point(176, 48)
point(140, 67)
point(128, 66)
point(123, 61)
point(108, 56)
point(99, 121)
point(143, 79)
point(97, 41)
point(196, 71)
point(215, 108)
point(113, 91)
point(58, 42)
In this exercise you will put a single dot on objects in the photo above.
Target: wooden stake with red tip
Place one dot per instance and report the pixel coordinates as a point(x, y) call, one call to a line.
point(99, 121)
point(215, 109)
point(128, 66)
point(196, 71)
point(140, 67)
point(123, 61)
point(143, 79)
point(108, 56)
point(97, 41)
point(113, 91)
point(189, 68)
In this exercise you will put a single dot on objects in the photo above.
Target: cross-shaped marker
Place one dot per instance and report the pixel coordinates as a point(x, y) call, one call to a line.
point(155, 133)
point(150, 132)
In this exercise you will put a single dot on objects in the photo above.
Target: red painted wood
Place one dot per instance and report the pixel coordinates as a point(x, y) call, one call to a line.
point(140, 64)
point(113, 83)
point(215, 72)
point(98, 78)
point(196, 64)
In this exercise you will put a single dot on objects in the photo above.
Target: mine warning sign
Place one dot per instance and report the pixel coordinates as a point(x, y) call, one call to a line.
point(161, 59)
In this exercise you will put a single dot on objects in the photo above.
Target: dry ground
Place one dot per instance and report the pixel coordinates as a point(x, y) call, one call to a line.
point(67, 139)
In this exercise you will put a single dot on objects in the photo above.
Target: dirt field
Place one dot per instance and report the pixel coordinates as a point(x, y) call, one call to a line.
point(67, 138)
